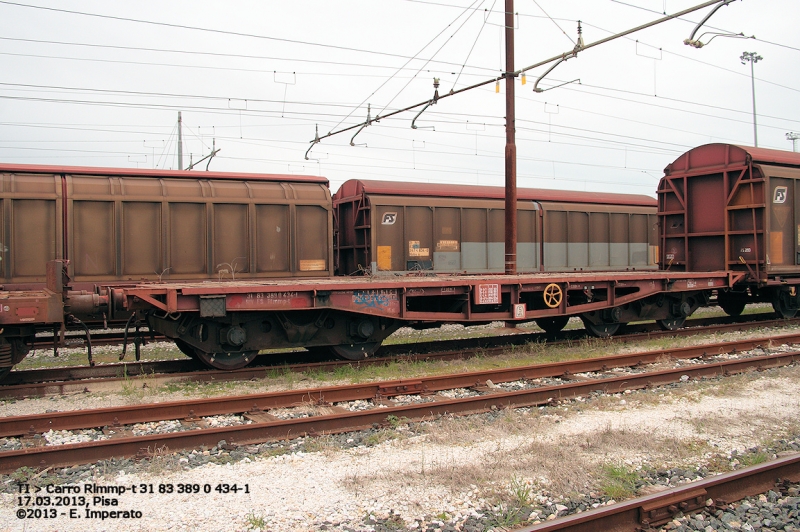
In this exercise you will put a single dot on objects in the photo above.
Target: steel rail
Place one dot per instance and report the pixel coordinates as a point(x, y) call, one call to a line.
point(118, 416)
point(60, 381)
point(71, 454)
point(655, 510)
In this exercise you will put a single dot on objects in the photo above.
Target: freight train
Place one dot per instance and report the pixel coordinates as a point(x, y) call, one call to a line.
point(229, 264)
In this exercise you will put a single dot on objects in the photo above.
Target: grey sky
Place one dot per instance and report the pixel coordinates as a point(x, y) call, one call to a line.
point(102, 84)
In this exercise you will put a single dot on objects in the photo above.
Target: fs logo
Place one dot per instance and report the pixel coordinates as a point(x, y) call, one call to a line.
point(780, 195)
point(389, 218)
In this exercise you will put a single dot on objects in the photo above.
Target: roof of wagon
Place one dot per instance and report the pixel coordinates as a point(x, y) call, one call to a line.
point(717, 156)
point(359, 187)
point(155, 173)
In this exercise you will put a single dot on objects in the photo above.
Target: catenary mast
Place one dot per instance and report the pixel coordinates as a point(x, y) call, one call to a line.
point(511, 148)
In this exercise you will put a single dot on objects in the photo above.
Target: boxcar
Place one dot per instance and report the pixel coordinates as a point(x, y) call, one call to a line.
point(128, 225)
point(736, 208)
point(386, 228)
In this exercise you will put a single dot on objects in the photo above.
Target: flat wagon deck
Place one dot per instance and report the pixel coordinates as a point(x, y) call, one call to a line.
point(225, 323)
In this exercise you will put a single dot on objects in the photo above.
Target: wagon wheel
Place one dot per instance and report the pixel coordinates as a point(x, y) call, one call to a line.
point(186, 349)
point(553, 295)
point(4, 371)
point(601, 330)
point(732, 303)
point(781, 307)
point(226, 360)
point(355, 351)
point(733, 307)
point(671, 324)
point(552, 325)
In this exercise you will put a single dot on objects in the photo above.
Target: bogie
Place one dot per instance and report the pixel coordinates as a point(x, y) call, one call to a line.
point(233, 341)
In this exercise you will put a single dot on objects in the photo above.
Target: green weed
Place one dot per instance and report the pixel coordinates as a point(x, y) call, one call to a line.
point(618, 482)
point(521, 492)
point(255, 522)
point(507, 516)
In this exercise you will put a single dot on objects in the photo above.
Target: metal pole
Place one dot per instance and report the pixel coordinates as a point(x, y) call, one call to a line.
point(753, 58)
point(511, 148)
point(753, 88)
point(180, 142)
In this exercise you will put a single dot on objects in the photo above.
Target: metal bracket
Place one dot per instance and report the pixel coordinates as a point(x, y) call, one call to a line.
point(430, 102)
point(578, 47)
point(367, 122)
point(691, 41)
point(313, 142)
point(662, 511)
point(403, 388)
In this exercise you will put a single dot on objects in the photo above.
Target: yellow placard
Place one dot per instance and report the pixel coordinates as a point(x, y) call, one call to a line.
point(385, 258)
point(447, 245)
point(776, 247)
point(312, 265)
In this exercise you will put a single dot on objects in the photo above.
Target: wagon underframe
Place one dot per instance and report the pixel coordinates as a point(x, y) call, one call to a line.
point(225, 324)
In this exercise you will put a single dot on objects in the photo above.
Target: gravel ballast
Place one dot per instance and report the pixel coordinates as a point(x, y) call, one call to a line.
point(501, 468)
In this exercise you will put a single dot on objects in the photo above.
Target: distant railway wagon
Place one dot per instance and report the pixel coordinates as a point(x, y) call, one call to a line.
point(735, 208)
point(387, 227)
point(128, 225)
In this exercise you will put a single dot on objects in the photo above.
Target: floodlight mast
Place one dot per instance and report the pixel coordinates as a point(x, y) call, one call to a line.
point(793, 137)
point(752, 58)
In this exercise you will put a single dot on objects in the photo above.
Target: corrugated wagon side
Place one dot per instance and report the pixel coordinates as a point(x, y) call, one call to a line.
point(118, 225)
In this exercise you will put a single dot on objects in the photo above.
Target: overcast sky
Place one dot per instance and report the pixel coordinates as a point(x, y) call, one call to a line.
point(101, 83)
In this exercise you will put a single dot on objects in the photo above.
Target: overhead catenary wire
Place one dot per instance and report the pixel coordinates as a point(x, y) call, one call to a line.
point(474, 43)
point(225, 55)
point(200, 29)
point(393, 75)
point(556, 23)
point(524, 121)
point(434, 55)
point(582, 88)
point(516, 73)
point(316, 103)
point(202, 67)
point(723, 31)
point(338, 114)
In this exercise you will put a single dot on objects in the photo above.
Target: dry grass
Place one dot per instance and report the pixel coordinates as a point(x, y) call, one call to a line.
point(519, 449)
point(522, 448)
point(564, 465)
point(161, 460)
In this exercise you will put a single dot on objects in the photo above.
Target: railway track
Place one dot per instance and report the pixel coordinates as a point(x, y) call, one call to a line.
point(116, 337)
point(646, 513)
point(264, 418)
point(54, 381)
